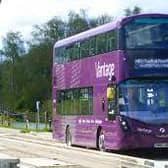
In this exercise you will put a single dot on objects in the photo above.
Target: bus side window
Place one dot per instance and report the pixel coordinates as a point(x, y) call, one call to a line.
point(72, 52)
point(60, 102)
point(69, 53)
point(101, 44)
point(111, 102)
point(92, 48)
point(75, 55)
point(111, 41)
point(59, 55)
point(84, 49)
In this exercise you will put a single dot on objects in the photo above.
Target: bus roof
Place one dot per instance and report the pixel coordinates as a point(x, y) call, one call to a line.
point(101, 29)
point(86, 34)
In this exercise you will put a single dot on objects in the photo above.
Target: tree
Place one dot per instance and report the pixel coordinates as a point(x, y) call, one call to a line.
point(128, 12)
point(136, 10)
point(37, 76)
point(39, 58)
point(49, 32)
point(76, 23)
point(26, 77)
point(13, 48)
point(102, 19)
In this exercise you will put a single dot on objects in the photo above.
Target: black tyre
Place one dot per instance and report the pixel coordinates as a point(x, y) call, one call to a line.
point(68, 137)
point(101, 141)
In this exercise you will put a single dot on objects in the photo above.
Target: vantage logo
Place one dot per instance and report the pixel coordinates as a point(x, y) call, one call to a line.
point(104, 70)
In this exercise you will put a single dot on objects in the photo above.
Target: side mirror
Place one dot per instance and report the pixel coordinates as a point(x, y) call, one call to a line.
point(111, 93)
point(121, 101)
point(111, 97)
point(111, 110)
point(112, 115)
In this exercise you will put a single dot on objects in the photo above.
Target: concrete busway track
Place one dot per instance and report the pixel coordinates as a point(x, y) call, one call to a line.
point(46, 139)
point(31, 145)
point(36, 145)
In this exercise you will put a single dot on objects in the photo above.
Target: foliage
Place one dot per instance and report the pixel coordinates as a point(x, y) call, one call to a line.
point(25, 130)
point(25, 77)
point(76, 23)
point(13, 49)
point(49, 32)
point(47, 107)
point(13, 45)
point(104, 19)
point(136, 10)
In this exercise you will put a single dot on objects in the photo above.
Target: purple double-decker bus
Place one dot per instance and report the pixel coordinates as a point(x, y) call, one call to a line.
point(110, 85)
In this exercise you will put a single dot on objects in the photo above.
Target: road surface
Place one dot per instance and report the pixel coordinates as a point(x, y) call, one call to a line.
point(38, 146)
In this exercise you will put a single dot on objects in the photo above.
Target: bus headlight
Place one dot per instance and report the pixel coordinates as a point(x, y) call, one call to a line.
point(124, 124)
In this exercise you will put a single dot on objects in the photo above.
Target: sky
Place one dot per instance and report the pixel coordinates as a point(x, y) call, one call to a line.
point(21, 15)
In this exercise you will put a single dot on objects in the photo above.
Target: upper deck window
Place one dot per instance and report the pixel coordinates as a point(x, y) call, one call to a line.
point(148, 32)
point(95, 45)
point(59, 55)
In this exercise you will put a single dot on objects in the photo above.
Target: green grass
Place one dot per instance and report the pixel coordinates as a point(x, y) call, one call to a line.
point(25, 131)
point(36, 130)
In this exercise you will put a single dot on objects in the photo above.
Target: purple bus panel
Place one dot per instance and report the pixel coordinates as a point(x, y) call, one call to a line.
point(96, 72)
point(84, 128)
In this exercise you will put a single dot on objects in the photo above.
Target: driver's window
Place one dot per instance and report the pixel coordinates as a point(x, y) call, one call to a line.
point(111, 101)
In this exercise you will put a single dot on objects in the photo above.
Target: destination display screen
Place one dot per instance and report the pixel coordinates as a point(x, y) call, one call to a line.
point(147, 62)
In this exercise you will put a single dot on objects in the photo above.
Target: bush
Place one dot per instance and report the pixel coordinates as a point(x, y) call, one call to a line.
point(25, 131)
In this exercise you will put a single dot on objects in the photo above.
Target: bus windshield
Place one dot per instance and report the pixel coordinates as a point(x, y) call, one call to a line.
point(148, 32)
point(144, 100)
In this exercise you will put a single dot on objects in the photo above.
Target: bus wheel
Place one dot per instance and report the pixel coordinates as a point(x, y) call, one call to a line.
point(68, 136)
point(101, 141)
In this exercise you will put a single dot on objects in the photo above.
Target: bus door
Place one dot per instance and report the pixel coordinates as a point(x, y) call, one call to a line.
point(112, 101)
